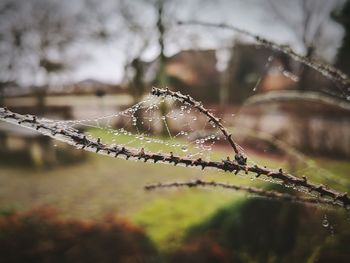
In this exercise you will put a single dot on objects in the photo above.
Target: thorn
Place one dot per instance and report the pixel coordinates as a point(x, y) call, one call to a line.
point(141, 153)
point(198, 182)
point(153, 91)
point(240, 158)
point(320, 188)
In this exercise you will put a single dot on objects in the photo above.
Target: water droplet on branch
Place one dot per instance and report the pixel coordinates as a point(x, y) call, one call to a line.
point(325, 222)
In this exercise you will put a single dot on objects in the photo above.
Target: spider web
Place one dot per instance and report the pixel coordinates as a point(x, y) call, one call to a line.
point(158, 125)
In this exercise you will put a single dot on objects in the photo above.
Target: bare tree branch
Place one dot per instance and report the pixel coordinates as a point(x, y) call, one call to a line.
point(248, 189)
point(326, 70)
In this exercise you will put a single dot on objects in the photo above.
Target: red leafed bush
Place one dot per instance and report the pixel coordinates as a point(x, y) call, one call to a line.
point(39, 235)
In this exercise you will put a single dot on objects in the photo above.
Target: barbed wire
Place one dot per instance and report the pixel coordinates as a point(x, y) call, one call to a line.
point(81, 141)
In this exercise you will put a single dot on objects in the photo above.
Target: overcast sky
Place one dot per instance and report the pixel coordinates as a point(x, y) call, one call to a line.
point(105, 60)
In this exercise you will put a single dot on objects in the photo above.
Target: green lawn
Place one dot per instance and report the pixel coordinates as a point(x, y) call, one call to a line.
point(102, 184)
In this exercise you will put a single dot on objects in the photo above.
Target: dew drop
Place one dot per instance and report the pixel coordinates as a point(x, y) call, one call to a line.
point(194, 118)
point(290, 76)
point(184, 149)
point(325, 222)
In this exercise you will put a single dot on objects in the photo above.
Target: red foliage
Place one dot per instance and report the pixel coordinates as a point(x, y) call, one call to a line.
point(39, 236)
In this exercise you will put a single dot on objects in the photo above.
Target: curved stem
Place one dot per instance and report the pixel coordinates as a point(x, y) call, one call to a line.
point(187, 99)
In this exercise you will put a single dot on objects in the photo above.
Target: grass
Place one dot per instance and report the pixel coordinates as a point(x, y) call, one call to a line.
point(167, 220)
point(103, 185)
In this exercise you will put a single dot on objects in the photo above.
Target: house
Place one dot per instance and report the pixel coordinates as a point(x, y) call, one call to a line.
point(191, 72)
point(251, 69)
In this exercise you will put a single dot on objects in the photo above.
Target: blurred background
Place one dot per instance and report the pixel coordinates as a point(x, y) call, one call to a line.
point(83, 59)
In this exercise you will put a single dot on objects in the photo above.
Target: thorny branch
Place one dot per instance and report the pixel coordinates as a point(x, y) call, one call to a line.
point(186, 99)
point(326, 70)
point(248, 189)
point(293, 95)
point(79, 140)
